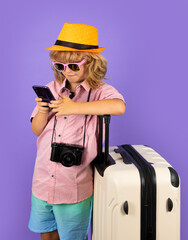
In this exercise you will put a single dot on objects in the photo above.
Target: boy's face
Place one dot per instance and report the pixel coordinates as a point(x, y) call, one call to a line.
point(75, 77)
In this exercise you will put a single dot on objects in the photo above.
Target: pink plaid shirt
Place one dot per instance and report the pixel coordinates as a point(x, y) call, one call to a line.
point(52, 182)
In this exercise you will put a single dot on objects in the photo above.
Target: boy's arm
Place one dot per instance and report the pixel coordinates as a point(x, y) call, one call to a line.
point(101, 107)
point(66, 106)
point(41, 118)
point(39, 122)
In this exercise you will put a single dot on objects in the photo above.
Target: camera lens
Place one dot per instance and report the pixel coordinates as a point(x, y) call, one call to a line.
point(67, 159)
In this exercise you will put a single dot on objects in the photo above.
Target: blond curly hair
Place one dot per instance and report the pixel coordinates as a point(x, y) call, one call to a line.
point(95, 65)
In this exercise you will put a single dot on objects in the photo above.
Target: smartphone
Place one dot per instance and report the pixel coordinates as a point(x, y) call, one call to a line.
point(44, 92)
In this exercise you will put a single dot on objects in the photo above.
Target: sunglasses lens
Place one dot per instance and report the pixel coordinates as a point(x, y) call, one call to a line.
point(74, 67)
point(59, 66)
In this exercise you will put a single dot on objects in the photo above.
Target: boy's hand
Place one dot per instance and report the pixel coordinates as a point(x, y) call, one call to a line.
point(64, 106)
point(43, 107)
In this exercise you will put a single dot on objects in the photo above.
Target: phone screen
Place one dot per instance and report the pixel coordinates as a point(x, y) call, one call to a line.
point(44, 92)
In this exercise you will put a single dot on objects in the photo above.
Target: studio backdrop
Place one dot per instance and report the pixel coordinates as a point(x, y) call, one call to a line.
point(147, 53)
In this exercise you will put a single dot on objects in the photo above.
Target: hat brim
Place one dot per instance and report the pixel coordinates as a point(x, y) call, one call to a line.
point(61, 48)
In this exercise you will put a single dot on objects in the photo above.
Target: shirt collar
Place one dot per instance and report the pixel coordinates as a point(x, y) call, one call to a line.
point(84, 84)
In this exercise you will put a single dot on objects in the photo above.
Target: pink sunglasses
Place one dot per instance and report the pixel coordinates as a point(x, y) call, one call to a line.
point(74, 67)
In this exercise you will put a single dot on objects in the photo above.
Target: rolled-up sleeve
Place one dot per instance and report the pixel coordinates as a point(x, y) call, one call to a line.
point(34, 113)
point(109, 92)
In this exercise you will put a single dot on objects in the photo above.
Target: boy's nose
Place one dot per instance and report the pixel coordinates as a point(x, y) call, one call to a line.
point(67, 70)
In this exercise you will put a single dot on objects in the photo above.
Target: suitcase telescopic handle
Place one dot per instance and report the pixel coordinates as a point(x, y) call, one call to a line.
point(106, 151)
point(103, 159)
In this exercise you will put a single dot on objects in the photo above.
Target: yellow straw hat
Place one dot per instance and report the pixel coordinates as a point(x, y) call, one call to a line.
point(77, 37)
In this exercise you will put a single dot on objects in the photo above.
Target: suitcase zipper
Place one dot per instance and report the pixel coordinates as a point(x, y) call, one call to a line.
point(148, 193)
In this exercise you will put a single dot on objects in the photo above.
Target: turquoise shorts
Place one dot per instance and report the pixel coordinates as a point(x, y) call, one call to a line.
point(72, 221)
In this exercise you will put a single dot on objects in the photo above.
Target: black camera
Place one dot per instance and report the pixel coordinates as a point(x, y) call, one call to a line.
point(67, 154)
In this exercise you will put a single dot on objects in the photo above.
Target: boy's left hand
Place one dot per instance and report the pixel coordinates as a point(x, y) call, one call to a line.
point(64, 106)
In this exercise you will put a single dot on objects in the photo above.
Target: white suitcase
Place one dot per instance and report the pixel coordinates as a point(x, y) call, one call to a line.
point(136, 194)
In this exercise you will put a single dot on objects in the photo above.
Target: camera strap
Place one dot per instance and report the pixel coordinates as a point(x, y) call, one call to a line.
point(55, 120)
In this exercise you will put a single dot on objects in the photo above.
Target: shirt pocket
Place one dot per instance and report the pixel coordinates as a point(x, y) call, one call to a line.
point(77, 123)
point(74, 130)
point(77, 130)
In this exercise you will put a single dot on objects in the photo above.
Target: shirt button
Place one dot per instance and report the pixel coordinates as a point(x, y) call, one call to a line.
point(52, 176)
point(59, 135)
point(65, 117)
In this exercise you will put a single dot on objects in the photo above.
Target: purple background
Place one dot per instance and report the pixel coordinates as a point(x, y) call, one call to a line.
point(147, 51)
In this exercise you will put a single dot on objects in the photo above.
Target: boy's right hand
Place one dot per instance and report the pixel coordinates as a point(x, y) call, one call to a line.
point(43, 107)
